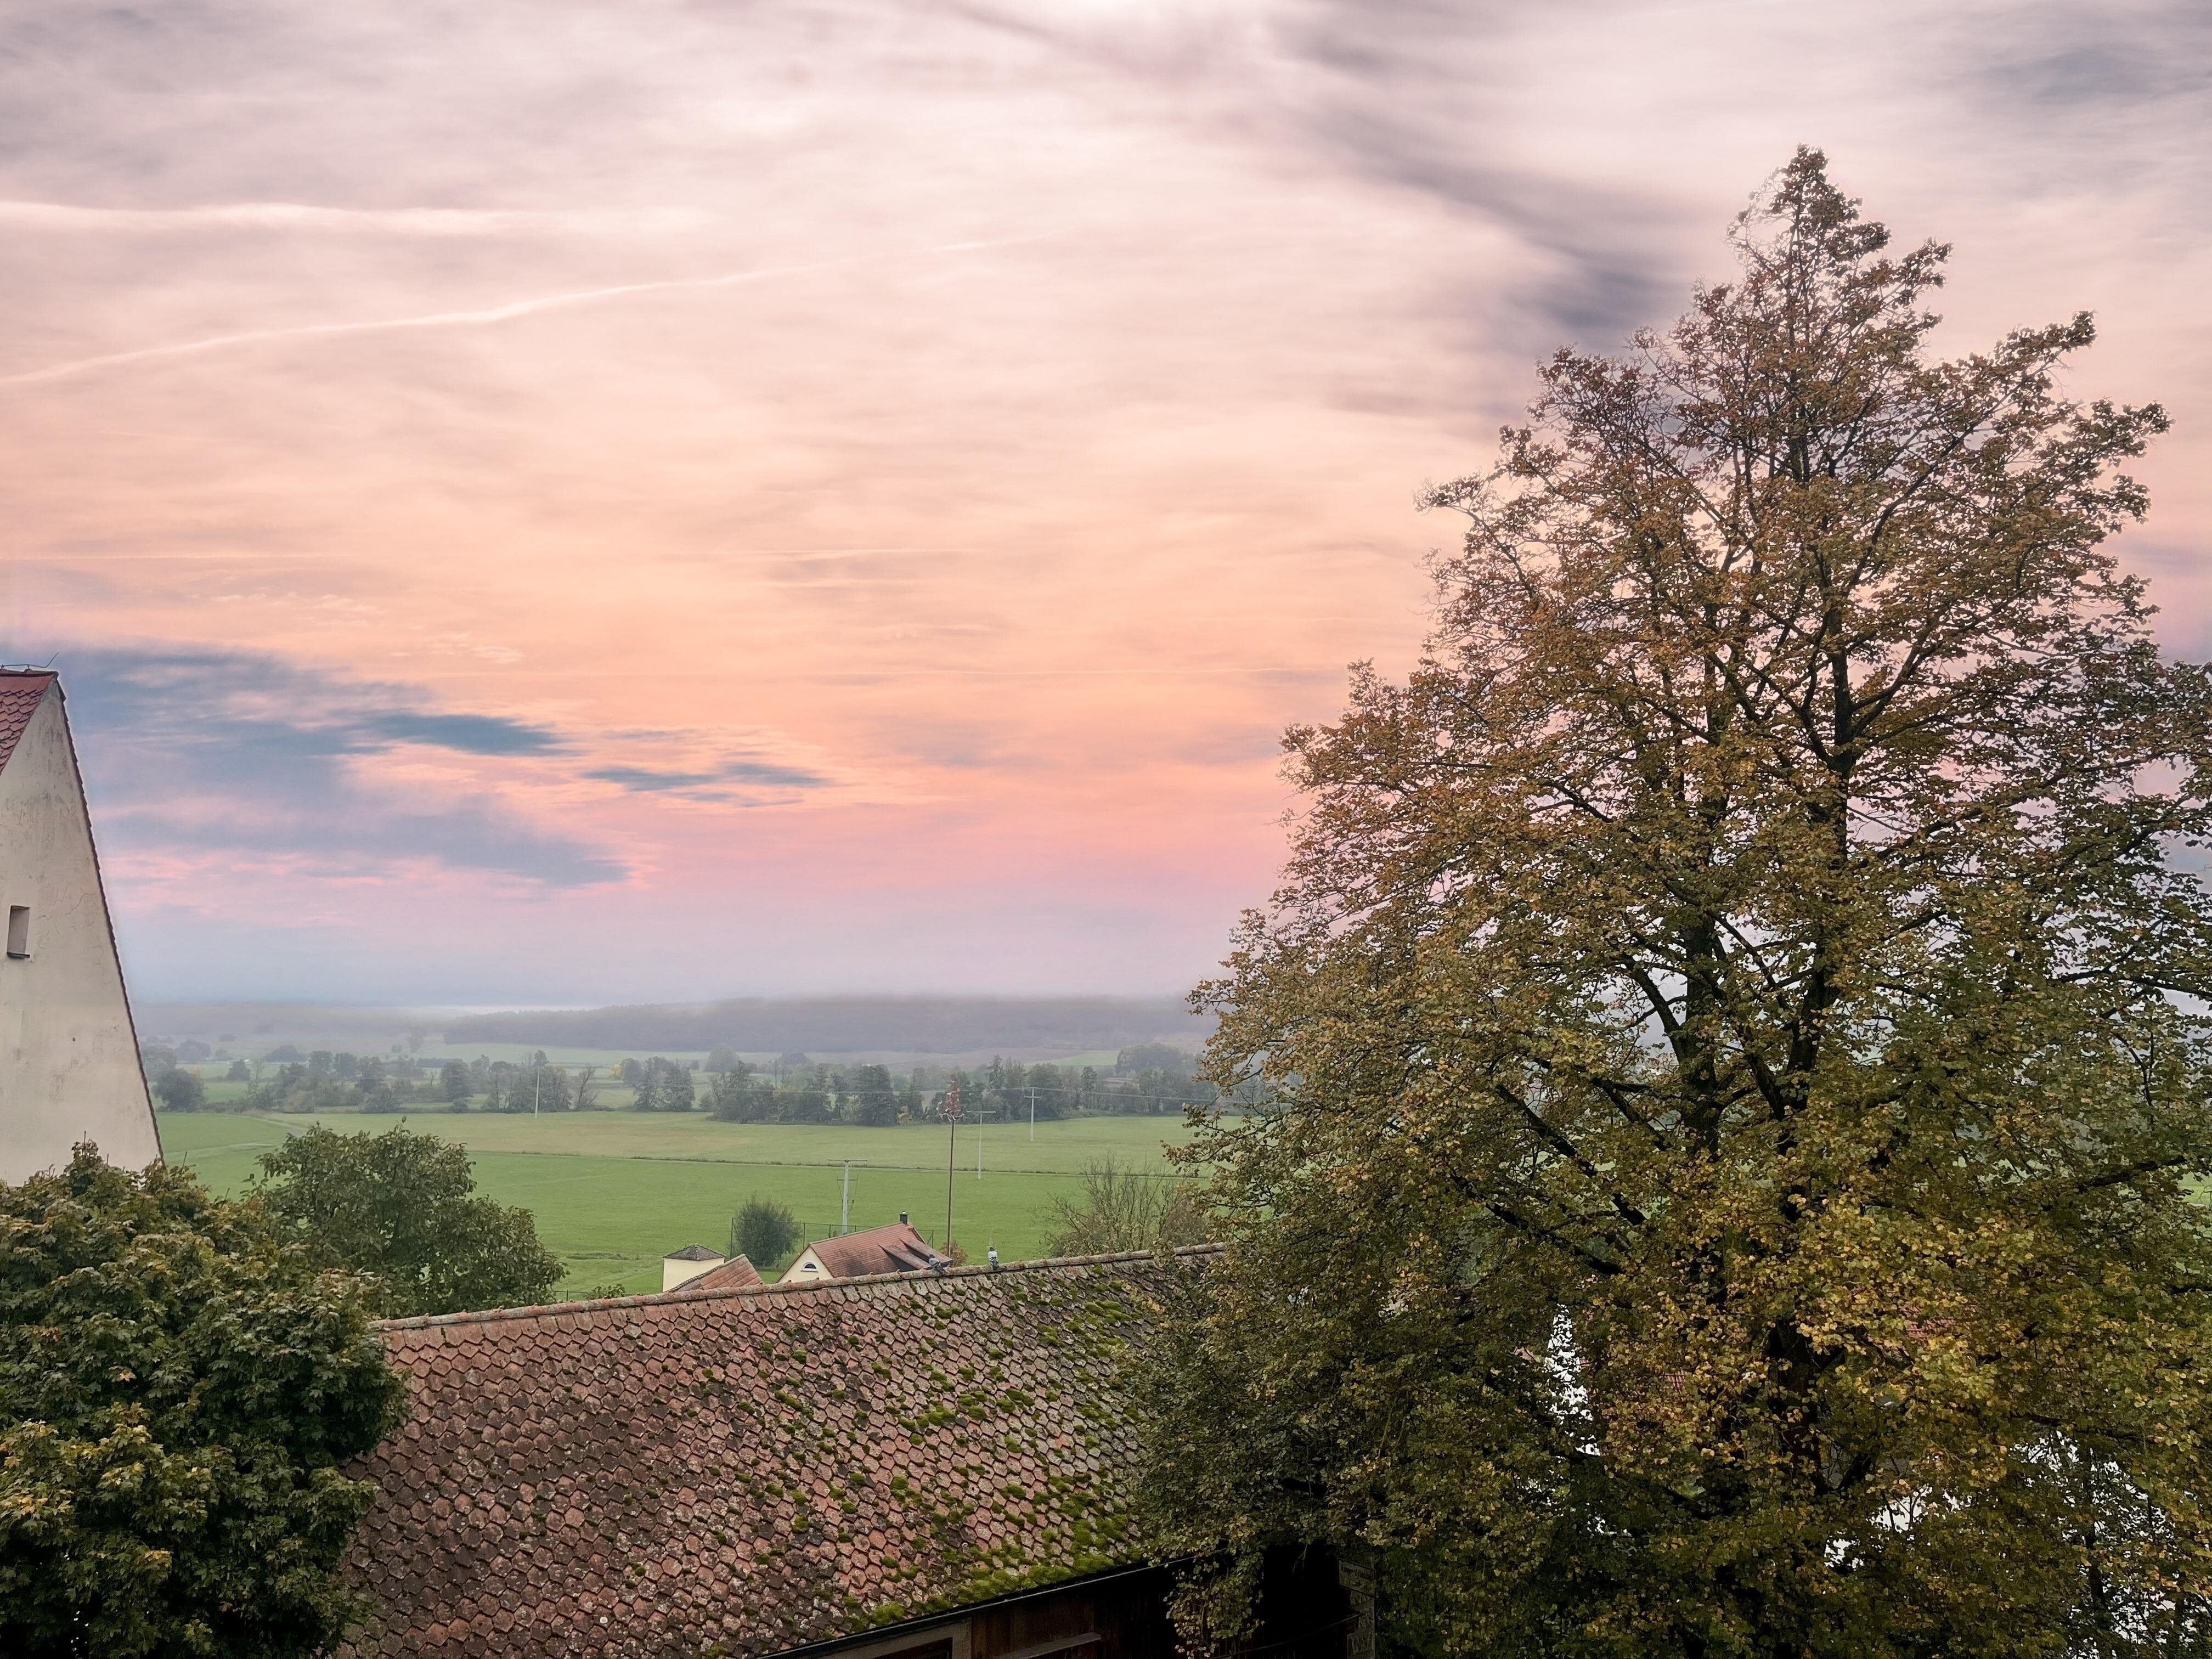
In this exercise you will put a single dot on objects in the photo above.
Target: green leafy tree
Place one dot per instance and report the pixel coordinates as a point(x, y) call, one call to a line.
point(179, 1091)
point(1049, 1091)
point(765, 1231)
point(454, 1082)
point(536, 1086)
point(239, 1072)
point(678, 1093)
point(736, 1095)
point(403, 1208)
point(875, 1103)
point(805, 1103)
point(179, 1388)
point(1736, 1024)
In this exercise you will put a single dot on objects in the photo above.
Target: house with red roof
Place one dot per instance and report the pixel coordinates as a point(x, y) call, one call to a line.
point(896, 1249)
point(69, 1059)
point(937, 1464)
point(696, 1267)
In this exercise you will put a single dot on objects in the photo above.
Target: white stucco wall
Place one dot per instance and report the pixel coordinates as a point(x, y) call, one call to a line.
point(808, 1267)
point(676, 1273)
point(68, 1060)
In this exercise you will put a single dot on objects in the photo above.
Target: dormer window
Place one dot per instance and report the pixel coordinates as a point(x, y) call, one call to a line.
point(18, 931)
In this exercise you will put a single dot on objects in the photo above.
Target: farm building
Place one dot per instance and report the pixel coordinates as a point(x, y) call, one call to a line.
point(933, 1465)
point(696, 1267)
point(69, 1059)
point(892, 1249)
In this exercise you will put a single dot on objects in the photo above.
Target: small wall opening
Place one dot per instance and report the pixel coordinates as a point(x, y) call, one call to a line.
point(18, 931)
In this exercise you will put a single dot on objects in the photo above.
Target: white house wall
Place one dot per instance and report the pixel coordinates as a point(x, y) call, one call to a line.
point(68, 1061)
point(805, 1270)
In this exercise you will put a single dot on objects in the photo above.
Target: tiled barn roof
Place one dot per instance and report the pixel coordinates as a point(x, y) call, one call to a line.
point(21, 690)
point(737, 1273)
point(743, 1471)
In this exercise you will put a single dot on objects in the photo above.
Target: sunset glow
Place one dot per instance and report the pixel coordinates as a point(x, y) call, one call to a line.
point(581, 503)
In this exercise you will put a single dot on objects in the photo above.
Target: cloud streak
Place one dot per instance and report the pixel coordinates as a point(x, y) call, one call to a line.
point(482, 316)
point(589, 629)
point(75, 218)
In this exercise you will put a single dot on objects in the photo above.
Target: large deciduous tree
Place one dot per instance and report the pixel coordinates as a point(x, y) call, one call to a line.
point(403, 1208)
point(1735, 1016)
point(178, 1389)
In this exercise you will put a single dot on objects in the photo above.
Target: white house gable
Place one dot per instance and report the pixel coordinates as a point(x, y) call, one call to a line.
point(69, 1059)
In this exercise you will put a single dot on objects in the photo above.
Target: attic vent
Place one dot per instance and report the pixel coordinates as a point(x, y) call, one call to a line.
point(18, 931)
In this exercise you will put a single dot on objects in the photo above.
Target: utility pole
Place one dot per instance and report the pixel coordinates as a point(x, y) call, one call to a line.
point(845, 1211)
point(1032, 1113)
point(952, 1150)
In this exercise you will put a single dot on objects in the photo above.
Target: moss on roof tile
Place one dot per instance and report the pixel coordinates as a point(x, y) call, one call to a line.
point(787, 1465)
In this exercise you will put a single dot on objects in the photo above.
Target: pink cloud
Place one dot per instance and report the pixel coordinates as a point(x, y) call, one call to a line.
point(910, 458)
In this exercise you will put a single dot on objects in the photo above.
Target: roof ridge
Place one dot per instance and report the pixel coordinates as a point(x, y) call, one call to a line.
point(814, 1287)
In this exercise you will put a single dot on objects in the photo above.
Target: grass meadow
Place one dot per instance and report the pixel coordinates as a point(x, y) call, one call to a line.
point(613, 1192)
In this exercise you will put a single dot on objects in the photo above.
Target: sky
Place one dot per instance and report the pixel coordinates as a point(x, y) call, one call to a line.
point(541, 502)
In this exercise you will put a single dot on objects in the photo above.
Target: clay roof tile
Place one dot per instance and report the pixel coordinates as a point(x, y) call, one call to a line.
point(22, 690)
point(694, 1478)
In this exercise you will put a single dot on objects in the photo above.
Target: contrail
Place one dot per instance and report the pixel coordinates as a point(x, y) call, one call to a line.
point(501, 313)
point(69, 216)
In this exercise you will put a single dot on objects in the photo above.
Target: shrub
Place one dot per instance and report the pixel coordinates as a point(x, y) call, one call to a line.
point(765, 1231)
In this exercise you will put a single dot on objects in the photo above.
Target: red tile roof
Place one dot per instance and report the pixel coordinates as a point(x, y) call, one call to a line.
point(743, 1471)
point(735, 1274)
point(895, 1248)
point(21, 690)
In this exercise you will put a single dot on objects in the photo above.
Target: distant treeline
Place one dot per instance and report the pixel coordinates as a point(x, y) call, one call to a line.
point(286, 1081)
point(926, 1025)
point(1148, 1080)
point(1145, 1080)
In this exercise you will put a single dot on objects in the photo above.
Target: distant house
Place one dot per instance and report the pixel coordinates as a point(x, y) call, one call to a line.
point(680, 1266)
point(938, 1465)
point(69, 1059)
point(896, 1248)
point(696, 1267)
point(738, 1274)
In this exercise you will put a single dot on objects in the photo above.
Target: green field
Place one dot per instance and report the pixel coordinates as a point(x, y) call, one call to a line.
point(613, 1192)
